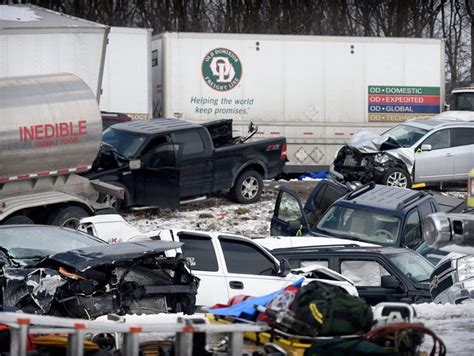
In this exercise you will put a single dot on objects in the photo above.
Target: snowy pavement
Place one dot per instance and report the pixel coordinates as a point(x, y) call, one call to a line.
point(453, 323)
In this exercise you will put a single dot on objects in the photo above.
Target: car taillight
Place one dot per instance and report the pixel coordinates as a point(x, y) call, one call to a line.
point(283, 152)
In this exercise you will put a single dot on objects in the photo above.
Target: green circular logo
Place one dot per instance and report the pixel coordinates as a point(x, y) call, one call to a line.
point(221, 69)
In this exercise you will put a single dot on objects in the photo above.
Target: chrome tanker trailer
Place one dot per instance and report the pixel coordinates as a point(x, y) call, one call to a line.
point(50, 130)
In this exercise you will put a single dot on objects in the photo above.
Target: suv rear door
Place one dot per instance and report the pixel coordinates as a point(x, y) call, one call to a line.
point(288, 216)
point(462, 139)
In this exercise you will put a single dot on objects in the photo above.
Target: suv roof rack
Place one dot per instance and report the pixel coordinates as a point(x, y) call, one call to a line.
point(361, 190)
point(410, 200)
point(321, 248)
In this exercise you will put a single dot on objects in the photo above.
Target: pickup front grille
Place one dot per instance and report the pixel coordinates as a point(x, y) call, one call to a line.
point(442, 285)
point(442, 268)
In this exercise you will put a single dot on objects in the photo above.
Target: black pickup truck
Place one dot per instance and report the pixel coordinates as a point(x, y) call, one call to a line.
point(163, 162)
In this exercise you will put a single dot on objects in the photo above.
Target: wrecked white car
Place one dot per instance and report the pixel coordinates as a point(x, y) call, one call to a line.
point(437, 149)
point(58, 271)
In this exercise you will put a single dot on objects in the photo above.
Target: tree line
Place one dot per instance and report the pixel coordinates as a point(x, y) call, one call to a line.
point(451, 20)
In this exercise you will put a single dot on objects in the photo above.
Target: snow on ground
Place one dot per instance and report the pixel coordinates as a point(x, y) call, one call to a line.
point(453, 323)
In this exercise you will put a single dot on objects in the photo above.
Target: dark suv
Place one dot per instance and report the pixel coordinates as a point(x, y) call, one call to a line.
point(380, 274)
point(378, 214)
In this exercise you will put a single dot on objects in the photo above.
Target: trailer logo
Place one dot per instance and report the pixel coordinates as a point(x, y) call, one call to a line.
point(221, 69)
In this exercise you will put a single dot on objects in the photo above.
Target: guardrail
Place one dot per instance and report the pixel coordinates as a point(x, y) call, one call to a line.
point(21, 325)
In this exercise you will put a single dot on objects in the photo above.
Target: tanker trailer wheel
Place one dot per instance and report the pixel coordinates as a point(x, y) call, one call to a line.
point(17, 220)
point(247, 188)
point(67, 217)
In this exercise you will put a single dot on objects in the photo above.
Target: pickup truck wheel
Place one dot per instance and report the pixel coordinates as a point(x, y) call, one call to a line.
point(67, 217)
point(248, 187)
point(397, 177)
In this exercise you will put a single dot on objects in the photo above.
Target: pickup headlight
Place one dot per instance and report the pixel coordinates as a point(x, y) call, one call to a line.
point(465, 268)
point(381, 158)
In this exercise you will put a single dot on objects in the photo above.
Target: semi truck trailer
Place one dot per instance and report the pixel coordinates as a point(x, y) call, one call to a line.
point(315, 90)
point(50, 130)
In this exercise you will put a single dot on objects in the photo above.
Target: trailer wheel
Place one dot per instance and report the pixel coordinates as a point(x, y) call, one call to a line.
point(247, 188)
point(17, 220)
point(67, 217)
point(397, 177)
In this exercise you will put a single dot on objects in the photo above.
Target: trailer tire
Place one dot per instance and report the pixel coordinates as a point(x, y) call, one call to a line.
point(67, 217)
point(18, 220)
point(247, 188)
point(397, 177)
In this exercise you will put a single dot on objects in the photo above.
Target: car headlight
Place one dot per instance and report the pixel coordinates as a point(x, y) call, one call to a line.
point(381, 158)
point(465, 268)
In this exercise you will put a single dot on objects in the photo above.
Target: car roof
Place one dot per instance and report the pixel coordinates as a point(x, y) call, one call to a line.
point(154, 126)
point(339, 249)
point(382, 197)
point(447, 118)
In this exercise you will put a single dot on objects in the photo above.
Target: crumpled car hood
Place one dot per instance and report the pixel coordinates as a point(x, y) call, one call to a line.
point(94, 256)
point(367, 141)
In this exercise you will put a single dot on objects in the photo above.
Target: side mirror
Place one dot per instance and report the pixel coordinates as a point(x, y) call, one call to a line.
point(285, 268)
point(390, 282)
point(426, 147)
point(135, 164)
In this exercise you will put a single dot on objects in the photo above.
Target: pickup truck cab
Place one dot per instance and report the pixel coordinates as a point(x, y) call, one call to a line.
point(162, 162)
point(227, 264)
point(382, 215)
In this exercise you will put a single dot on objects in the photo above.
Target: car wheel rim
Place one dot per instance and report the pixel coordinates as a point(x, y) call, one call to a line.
point(111, 201)
point(397, 179)
point(249, 188)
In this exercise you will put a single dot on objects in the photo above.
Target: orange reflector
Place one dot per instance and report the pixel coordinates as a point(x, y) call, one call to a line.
point(79, 326)
point(135, 329)
point(23, 321)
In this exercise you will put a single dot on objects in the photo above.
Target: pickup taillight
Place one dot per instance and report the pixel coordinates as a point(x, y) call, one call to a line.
point(283, 152)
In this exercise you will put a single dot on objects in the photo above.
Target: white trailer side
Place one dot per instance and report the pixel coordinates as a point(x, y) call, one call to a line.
point(34, 41)
point(317, 91)
point(126, 86)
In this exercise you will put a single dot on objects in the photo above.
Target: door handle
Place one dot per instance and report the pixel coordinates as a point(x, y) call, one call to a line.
point(236, 285)
point(448, 155)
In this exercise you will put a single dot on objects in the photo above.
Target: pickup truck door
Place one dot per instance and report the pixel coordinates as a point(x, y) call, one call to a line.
point(288, 217)
point(249, 269)
point(156, 183)
point(195, 162)
point(203, 254)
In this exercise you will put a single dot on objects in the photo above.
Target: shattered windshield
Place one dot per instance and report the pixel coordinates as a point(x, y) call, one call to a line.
point(360, 224)
point(406, 135)
point(126, 143)
point(36, 242)
point(415, 268)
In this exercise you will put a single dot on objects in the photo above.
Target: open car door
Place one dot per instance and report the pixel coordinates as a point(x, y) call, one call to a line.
point(288, 217)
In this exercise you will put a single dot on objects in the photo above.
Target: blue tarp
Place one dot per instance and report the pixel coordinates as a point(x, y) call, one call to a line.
point(245, 309)
point(315, 175)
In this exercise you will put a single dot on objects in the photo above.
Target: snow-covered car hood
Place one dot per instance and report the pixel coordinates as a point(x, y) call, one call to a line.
point(367, 141)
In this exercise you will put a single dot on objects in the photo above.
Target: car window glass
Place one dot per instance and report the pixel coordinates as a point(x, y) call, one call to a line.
point(364, 273)
point(323, 263)
point(199, 251)
point(413, 266)
point(462, 136)
point(163, 156)
point(289, 208)
point(438, 140)
point(412, 228)
point(241, 257)
point(191, 143)
point(329, 197)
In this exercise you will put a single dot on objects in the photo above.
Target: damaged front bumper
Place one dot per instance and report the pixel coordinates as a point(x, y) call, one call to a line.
point(125, 278)
point(352, 165)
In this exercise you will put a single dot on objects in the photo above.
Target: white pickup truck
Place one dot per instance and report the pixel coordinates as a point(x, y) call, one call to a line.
point(227, 264)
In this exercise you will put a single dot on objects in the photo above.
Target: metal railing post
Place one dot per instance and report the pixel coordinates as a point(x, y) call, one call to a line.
point(236, 343)
point(184, 339)
point(76, 341)
point(130, 343)
point(22, 333)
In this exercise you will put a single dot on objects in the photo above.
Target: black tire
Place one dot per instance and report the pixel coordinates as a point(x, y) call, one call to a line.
point(247, 188)
point(18, 220)
point(113, 202)
point(68, 216)
point(397, 177)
